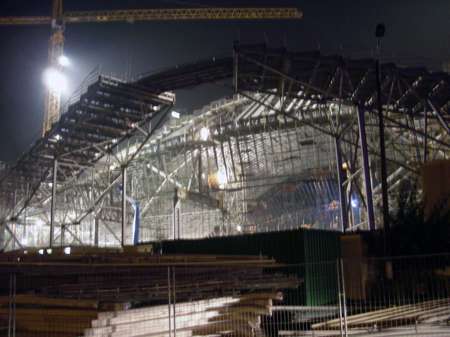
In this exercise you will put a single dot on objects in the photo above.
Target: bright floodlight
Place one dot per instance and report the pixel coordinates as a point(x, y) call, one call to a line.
point(64, 61)
point(55, 80)
point(222, 179)
point(204, 133)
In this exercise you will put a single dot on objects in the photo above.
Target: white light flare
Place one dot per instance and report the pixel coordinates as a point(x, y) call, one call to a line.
point(175, 114)
point(222, 179)
point(55, 80)
point(64, 61)
point(204, 133)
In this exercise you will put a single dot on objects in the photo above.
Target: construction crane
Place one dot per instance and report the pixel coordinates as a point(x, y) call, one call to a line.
point(59, 19)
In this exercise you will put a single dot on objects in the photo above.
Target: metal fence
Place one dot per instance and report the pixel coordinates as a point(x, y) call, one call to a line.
point(394, 296)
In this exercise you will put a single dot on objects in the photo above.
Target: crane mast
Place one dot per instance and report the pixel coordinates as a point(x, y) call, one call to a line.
point(59, 19)
point(55, 51)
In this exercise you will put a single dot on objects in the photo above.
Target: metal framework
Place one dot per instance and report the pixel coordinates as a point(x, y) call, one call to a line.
point(158, 14)
point(295, 144)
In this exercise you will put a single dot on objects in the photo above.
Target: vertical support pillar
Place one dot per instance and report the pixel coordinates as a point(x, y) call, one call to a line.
point(63, 233)
point(124, 203)
point(384, 187)
point(53, 201)
point(25, 220)
point(178, 221)
point(174, 214)
point(366, 168)
point(425, 138)
point(341, 179)
point(96, 220)
point(235, 67)
point(174, 223)
point(199, 170)
point(2, 236)
point(14, 224)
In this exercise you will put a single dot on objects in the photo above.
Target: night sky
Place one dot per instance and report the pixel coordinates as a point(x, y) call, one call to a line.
point(417, 33)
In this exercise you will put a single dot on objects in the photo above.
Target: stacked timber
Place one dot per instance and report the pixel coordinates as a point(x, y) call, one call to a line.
point(42, 316)
point(238, 316)
point(102, 292)
point(427, 312)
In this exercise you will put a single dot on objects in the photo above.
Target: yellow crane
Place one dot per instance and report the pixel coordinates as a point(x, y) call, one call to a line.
point(59, 19)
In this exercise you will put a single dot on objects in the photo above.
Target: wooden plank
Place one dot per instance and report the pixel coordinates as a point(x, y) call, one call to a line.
point(50, 312)
point(49, 302)
point(397, 313)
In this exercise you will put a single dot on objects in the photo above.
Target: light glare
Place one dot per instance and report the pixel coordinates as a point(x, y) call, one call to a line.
point(222, 178)
point(204, 133)
point(55, 80)
point(64, 61)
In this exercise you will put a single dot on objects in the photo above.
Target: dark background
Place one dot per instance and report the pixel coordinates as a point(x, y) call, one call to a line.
point(417, 33)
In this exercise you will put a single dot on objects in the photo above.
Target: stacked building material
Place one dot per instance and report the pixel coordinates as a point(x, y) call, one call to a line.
point(427, 312)
point(240, 315)
point(43, 316)
point(111, 293)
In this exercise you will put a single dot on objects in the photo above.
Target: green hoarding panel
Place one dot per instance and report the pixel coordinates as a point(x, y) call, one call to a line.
point(315, 252)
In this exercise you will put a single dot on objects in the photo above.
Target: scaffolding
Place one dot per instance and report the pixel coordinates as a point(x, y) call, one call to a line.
point(295, 144)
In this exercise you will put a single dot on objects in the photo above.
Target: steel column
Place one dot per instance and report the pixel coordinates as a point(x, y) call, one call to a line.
point(366, 168)
point(2, 235)
point(235, 67)
point(174, 214)
point(425, 138)
point(53, 201)
point(96, 223)
point(341, 179)
point(124, 203)
point(384, 187)
point(63, 233)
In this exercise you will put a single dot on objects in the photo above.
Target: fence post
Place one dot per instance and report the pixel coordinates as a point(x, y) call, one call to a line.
point(344, 297)
point(12, 306)
point(174, 297)
point(339, 296)
point(169, 301)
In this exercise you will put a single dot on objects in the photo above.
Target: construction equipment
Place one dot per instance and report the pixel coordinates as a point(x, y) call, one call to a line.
point(59, 19)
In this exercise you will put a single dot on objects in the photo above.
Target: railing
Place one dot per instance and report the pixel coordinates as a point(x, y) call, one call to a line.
point(91, 78)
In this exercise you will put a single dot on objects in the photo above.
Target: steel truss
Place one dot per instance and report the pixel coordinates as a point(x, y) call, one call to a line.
point(296, 145)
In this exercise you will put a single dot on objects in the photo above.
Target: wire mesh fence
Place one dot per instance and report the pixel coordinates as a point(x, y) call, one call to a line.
point(223, 296)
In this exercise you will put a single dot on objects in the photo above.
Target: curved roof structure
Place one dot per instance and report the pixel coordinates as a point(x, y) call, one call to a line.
point(272, 143)
point(316, 76)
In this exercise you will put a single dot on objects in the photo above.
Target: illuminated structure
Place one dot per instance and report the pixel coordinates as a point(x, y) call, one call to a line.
point(295, 144)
